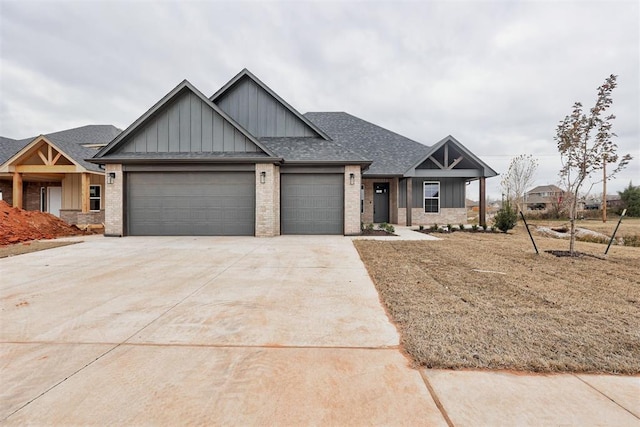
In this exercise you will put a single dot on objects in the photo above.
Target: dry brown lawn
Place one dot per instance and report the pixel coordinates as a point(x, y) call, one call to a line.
point(34, 246)
point(482, 300)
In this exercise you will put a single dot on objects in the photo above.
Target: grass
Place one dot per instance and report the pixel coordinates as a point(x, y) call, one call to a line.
point(476, 300)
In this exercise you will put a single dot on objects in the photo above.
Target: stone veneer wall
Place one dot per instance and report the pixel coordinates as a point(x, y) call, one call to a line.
point(114, 204)
point(76, 217)
point(446, 216)
point(267, 200)
point(352, 200)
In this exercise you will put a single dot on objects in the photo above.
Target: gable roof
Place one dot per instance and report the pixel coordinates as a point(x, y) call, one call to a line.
point(487, 170)
point(106, 152)
point(246, 74)
point(69, 142)
point(392, 154)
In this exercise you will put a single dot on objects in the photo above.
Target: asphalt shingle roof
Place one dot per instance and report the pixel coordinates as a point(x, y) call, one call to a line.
point(69, 141)
point(392, 154)
point(310, 149)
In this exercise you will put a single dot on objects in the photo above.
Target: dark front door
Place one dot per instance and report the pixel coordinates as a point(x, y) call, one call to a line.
point(381, 202)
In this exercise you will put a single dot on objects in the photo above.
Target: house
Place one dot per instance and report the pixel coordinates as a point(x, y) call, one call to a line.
point(544, 197)
point(245, 162)
point(49, 173)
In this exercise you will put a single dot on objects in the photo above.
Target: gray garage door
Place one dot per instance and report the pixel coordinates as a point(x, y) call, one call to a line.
point(191, 203)
point(312, 204)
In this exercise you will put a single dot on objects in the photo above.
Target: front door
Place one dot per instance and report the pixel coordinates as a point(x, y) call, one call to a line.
point(54, 200)
point(381, 202)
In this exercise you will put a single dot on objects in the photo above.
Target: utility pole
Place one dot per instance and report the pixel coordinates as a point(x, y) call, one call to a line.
point(604, 188)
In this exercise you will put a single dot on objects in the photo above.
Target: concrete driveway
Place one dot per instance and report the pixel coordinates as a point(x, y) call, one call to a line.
point(201, 330)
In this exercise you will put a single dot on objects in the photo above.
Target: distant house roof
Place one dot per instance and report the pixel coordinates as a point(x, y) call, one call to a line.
point(70, 141)
point(545, 189)
point(392, 154)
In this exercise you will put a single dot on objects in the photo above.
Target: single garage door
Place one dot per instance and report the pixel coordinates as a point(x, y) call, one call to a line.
point(312, 204)
point(191, 203)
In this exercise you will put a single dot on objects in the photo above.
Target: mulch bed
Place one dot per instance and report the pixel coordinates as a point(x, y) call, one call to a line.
point(376, 233)
point(487, 301)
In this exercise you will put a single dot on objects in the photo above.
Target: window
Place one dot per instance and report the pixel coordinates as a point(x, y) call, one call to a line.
point(362, 198)
point(94, 197)
point(431, 197)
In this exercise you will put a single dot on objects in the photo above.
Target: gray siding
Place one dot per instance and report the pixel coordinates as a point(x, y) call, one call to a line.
point(260, 113)
point(188, 125)
point(452, 192)
point(402, 193)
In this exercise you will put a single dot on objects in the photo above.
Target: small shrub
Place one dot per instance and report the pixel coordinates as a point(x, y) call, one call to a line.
point(390, 228)
point(493, 228)
point(421, 227)
point(450, 228)
point(382, 226)
point(474, 227)
point(484, 227)
point(434, 227)
point(461, 227)
point(369, 227)
point(506, 218)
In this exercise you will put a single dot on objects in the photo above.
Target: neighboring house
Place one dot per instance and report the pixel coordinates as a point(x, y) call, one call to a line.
point(544, 197)
point(245, 162)
point(49, 173)
point(614, 201)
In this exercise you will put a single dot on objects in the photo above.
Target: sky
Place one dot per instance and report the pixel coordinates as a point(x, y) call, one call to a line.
point(497, 75)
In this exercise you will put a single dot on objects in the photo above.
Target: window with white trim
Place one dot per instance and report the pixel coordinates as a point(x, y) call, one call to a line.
point(362, 198)
point(95, 192)
point(431, 196)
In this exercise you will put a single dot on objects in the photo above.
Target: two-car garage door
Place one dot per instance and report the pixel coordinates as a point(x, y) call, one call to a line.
point(224, 203)
point(191, 203)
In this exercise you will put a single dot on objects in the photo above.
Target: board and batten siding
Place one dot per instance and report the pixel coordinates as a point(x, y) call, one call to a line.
point(452, 192)
point(72, 189)
point(260, 113)
point(188, 125)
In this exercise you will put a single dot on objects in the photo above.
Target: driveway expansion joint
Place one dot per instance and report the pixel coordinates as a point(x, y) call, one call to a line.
point(605, 395)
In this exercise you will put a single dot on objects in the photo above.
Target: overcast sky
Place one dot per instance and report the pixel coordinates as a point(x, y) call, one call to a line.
point(497, 75)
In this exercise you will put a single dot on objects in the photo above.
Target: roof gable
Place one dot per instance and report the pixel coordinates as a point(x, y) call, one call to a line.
point(184, 121)
point(450, 157)
point(45, 155)
point(262, 111)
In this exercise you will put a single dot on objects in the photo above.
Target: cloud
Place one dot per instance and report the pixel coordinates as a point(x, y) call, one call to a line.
point(496, 75)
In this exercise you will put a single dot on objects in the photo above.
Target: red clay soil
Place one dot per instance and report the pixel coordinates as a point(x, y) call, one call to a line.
point(18, 225)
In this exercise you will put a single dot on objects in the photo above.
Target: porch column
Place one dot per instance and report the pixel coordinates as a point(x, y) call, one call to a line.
point(409, 202)
point(17, 190)
point(482, 202)
point(85, 193)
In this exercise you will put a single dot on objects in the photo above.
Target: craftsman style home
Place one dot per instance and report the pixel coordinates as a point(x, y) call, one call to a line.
point(49, 173)
point(245, 162)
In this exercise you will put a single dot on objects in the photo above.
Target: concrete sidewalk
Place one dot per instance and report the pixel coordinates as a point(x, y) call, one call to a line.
point(243, 331)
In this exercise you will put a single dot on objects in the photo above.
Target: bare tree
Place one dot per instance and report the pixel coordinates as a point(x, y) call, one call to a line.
point(520, 175)
point(585, 143)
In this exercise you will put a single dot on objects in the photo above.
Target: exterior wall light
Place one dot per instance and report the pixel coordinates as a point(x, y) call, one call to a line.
point(352, 178)
point(111, 176)
point(263, 177)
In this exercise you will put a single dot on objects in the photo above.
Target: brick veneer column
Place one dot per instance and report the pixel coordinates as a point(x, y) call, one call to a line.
point(267, 200)
point(352, 200)
point(114, 202)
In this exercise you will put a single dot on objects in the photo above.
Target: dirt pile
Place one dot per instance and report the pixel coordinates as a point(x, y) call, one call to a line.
point(18, 225)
